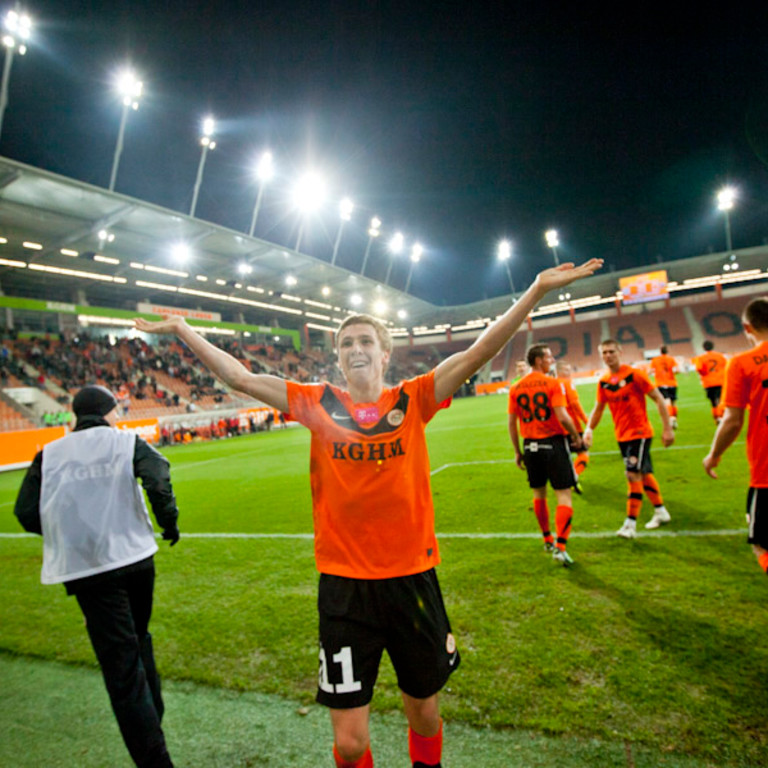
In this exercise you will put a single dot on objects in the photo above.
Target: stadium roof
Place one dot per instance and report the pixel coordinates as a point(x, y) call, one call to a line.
point(50, 249)
point(64, 217)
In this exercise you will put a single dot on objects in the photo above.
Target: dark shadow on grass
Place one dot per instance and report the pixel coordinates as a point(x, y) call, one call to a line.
point(706, 649)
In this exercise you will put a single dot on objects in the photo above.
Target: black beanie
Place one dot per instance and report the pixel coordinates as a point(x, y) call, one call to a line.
point(93, 400)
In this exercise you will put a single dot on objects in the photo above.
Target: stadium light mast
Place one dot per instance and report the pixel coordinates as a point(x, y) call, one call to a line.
point(308, 196)
point(504, 253)
point(395, 245)
point(265, 170)
point(130, 88)
point(373, 232)
point(207, 143)
point(17, 28)
point(726, 198)
point(553, 242)
point(416, 253)
point(346, 206)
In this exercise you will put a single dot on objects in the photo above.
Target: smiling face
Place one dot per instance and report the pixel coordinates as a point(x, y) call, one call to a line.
point(361, 357)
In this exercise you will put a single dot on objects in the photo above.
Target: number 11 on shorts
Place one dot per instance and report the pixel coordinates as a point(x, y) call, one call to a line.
point(348, 683)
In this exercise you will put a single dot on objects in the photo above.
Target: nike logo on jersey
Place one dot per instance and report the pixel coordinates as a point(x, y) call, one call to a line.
point(340, 416)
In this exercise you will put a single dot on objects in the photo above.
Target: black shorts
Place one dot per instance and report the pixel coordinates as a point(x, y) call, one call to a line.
point(360, 618)
point(714, 393)
point(637, 455)
point(669, 393)
point(549, 460)
point(757, 516)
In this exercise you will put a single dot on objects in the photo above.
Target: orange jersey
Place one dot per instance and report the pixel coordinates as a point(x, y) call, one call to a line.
point(664, 368)
point(369, 472)
point(711, 368)
point(624, 392)
point(573, 405)
point(533, 400)
point(746, 384)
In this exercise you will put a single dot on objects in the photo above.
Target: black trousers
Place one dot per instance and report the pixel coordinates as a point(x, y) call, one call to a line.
point(117, 612)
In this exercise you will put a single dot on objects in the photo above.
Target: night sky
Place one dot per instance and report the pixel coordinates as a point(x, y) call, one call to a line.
point(457, 123)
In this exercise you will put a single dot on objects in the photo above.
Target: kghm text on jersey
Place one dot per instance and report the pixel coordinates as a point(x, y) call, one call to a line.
point(368, 451)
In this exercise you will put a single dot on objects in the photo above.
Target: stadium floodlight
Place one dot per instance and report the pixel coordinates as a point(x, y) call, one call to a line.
point(308, 196)
point(395, 245)
point(105, 236)
point(374, 230)
point(402, 314)
point(244, 269)
point(291, 281)
point(265, 170)
point(207, 143)
point(130, 89)
point(380, 308)
point(346, 206)
point(553, 242)
point(326, 291)
point(504, 254)
point(726, 198)
point(181, 253)
point(17, 29)
point(416, 254)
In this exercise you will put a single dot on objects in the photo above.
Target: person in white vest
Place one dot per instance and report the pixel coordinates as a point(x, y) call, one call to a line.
point(81, 493)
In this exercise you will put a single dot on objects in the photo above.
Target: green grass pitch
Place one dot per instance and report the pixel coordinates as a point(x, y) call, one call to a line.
point(646, 652)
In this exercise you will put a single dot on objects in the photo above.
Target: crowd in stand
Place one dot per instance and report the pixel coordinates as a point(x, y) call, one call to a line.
point(61, 364)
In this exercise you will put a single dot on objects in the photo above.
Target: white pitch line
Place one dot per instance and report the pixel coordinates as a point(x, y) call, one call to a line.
point(591, 453)
point(448, 535)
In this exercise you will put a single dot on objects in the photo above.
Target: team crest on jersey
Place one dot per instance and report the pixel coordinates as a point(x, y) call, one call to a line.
point(450, 643)
point(395, 417)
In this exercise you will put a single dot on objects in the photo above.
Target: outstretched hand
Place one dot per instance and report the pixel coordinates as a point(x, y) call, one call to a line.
point(169, 324)
point(557, 277)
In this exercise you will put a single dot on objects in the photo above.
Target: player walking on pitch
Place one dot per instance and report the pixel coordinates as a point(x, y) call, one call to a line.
point(746, 386)
point(538, 402)
point(664, 368)
point(375, 544)
point(711, 369)
point(624, 390)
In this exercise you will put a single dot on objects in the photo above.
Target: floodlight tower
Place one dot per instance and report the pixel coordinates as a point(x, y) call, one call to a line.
point(373, 232)
point(346, 206)
point(130, 88)
point(207, 143)
point(505, 254)
point(553, 242)
point(396, 245)
point(309, 194)
point(17, 28)
point(416, 253)
point(725, 200)
point(265, 170)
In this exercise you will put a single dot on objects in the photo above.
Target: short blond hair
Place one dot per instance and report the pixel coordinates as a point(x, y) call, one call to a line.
point(382, 333)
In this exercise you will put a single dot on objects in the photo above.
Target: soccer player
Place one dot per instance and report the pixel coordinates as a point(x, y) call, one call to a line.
point(664, 367)
point(375, 544)
point(578, 417)
point(746, 385)
point(711, 369)
point(521, 369)
point(624, 390)
point(538, 402)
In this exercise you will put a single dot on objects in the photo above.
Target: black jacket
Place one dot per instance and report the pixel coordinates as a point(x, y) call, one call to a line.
point(149, 466)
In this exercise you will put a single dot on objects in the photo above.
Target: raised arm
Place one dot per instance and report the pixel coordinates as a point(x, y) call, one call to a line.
point(271, 390)
point(455, 370)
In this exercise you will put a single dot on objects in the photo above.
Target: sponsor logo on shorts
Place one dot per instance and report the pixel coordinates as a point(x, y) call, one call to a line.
point(450, 643)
